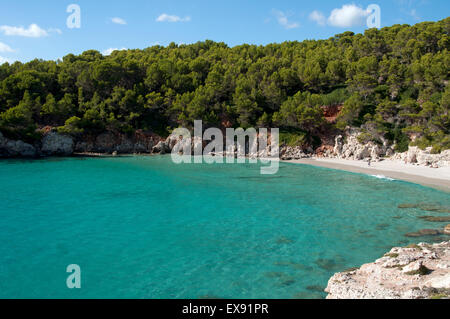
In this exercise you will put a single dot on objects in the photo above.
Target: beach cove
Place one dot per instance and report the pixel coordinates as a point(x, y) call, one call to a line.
point(143, 227)
point(438, 178)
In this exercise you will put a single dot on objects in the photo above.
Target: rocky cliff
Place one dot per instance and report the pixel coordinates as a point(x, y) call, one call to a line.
point(55, 144)
point(110, 142)
point(423, 157)
point(415, 272)
point(10, 148)
point(350, 147)
point(346, 146)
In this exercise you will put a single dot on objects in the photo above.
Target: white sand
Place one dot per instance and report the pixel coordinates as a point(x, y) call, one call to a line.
point(438, 178)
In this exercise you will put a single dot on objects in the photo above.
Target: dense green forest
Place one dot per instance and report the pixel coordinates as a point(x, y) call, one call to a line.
point(391, 82)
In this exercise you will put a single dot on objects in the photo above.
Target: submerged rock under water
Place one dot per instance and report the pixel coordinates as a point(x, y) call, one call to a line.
point(309, 295)
point(435, 219)
point(316, 288)
point(284, 240)
point(329, 264)
point(426, 207)
point(425, 232)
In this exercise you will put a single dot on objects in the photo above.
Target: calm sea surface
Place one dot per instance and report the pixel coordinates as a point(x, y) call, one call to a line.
point(143, 227)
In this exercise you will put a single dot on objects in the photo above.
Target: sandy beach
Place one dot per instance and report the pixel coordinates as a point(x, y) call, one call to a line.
point(438, 178)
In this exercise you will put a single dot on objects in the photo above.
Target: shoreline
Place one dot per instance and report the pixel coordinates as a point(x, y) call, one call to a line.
point(418, 271)
point(437, 178)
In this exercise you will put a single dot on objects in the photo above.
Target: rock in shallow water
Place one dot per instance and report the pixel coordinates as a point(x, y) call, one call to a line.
point(426, 207)
point(425, 232)
point(404, 206)
point(435, 219)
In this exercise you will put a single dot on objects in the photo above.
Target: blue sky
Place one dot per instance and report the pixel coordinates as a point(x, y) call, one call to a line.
point(37, 29)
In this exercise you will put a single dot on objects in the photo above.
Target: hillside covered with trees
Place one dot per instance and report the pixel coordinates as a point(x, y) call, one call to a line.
point(391, 82)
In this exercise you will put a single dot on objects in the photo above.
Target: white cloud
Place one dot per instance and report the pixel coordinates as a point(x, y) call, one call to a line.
point(284, 21)
point(117, 20)
point(55, 30)
point(33, 31)
point(5, 48)
point(318, 17)
point(5, 60)
point(348, 16)
point(171, 18)
point(111, 50)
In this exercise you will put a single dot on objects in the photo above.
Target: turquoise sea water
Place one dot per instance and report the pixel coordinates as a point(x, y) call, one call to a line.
point(142, 227)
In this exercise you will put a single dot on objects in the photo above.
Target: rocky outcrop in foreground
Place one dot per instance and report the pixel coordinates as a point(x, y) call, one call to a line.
point(415, 272)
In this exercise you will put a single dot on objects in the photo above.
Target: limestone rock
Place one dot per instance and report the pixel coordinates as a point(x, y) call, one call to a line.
point(442, 282)
point(19, 148)
point(415, 155)
point(354, 150)
point(339, 144)
point(172, 140)
point(105, 143)
point(3, 140)
point(161, 148)
point(292, 153)
point(84, 147)
point(447, 229)
point(110, 142)
point(414, 272)
point(124, 146)
point(10, 148)
point(413, 267)
point(57, 144)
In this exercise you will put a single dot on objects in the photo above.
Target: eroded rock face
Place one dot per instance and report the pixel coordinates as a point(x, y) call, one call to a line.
point(354, 150)
point(19, 148)
point(350, 148)
point(3, 140)
point(178, 144)
point(57, 144)
point(413, 272)
point(10, 148)
point(415, 155)
point(109, 143)
point(161, 148)
point(105, 143)
point(293, 153)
